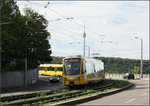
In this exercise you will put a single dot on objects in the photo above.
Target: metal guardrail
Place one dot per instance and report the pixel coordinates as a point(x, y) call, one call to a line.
point(120, 76)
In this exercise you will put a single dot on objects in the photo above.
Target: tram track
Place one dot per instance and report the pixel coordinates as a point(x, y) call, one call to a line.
point(52, 96)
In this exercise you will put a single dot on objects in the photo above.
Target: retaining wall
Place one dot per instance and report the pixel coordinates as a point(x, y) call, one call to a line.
point(17, 78)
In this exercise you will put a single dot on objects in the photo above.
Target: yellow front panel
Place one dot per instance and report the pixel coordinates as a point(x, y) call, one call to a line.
point(74, 79)
point(59, 73)
point(41, 72)
point(50, 72)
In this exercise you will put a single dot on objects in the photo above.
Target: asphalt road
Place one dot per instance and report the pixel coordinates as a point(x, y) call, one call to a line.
point(43, 84)
point(137, 95)
point(54, 85)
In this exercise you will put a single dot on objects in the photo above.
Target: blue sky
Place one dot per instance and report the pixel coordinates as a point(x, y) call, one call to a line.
point(113, 22)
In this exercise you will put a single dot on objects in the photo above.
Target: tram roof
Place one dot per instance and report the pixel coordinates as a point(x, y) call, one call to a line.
point(87, 58)
point(50, 64)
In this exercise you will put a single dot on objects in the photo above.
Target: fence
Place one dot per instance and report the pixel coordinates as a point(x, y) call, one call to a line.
point(120, 76)
point(17, 78)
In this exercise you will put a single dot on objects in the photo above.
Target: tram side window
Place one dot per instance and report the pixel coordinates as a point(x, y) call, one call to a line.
point(89, 67)
point(83, 68)
point(41, 68)
point(97, 68)
point(50, 68)
point(59, 69)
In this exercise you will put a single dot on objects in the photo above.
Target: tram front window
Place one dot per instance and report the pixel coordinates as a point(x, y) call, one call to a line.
point(72, 66)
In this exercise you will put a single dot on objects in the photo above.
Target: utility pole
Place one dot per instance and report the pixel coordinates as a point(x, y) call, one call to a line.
point(0, 50)
point(88, 50)
point(84, 35)
point(25, 72)
point(141, 58)
point(141, 66)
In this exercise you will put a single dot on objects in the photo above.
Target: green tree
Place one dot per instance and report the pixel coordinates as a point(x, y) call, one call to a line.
point(38, 47)
point(136, 70)
point(24, 36)
point(124, 65)
point(12, 34)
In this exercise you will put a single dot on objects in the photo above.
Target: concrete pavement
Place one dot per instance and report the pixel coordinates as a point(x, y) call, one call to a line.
point(137, 95)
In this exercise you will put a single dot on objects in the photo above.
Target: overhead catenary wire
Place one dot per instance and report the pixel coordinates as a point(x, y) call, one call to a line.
point(68, 20)
point(89, 38)
point(66, 30)
point(61, 33)
point(73, 33)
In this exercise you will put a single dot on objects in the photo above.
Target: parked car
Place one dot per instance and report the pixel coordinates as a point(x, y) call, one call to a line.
point(128, 76)
point(54, 78)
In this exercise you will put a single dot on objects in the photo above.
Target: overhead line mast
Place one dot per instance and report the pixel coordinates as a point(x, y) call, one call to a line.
point(84, 35)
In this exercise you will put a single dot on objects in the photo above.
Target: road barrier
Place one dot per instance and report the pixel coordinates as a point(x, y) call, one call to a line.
point(120, 76)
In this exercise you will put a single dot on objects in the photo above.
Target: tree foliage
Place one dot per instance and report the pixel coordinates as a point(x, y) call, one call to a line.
point(38, 48)
point(23, 37)
point(56, 60)
point(136, 70)
point(124, 65)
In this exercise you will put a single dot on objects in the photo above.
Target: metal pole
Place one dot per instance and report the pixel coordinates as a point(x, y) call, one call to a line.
point(0, 51)
point(83, 46)
point(141, 58)
point(141, 64)
point(84, 35)
point(88, 50)
point(25, 74)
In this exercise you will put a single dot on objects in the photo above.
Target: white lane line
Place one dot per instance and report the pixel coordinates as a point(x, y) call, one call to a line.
point(143, 94)
point(131, 100)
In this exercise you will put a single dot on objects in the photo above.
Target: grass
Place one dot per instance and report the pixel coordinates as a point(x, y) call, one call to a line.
point(88, 89)
point(117, 84)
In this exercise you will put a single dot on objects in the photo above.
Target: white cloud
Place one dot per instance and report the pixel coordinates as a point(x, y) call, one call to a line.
point(117, 20)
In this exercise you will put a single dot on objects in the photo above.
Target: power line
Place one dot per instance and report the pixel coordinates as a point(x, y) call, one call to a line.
point(66, 30)
point(60, 32)
point(69, 20)
point(77, 34)
point(89, 39)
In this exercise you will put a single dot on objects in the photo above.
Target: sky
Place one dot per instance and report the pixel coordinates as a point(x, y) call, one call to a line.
point(110, 27)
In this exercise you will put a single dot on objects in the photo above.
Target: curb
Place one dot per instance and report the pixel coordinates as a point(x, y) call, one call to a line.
point(92, 97)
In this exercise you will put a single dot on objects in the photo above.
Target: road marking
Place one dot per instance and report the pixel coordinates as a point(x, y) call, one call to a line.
point(131, 100)
point(143, 94)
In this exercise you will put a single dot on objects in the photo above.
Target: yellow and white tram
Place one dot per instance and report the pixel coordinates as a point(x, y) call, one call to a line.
point(78, 70)
point(50, 69)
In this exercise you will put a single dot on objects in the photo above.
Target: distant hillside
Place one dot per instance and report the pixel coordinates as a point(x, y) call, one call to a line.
point(124, 65)
point(115, 65)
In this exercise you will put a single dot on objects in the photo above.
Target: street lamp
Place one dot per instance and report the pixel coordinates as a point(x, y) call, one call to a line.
point(141, 68)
